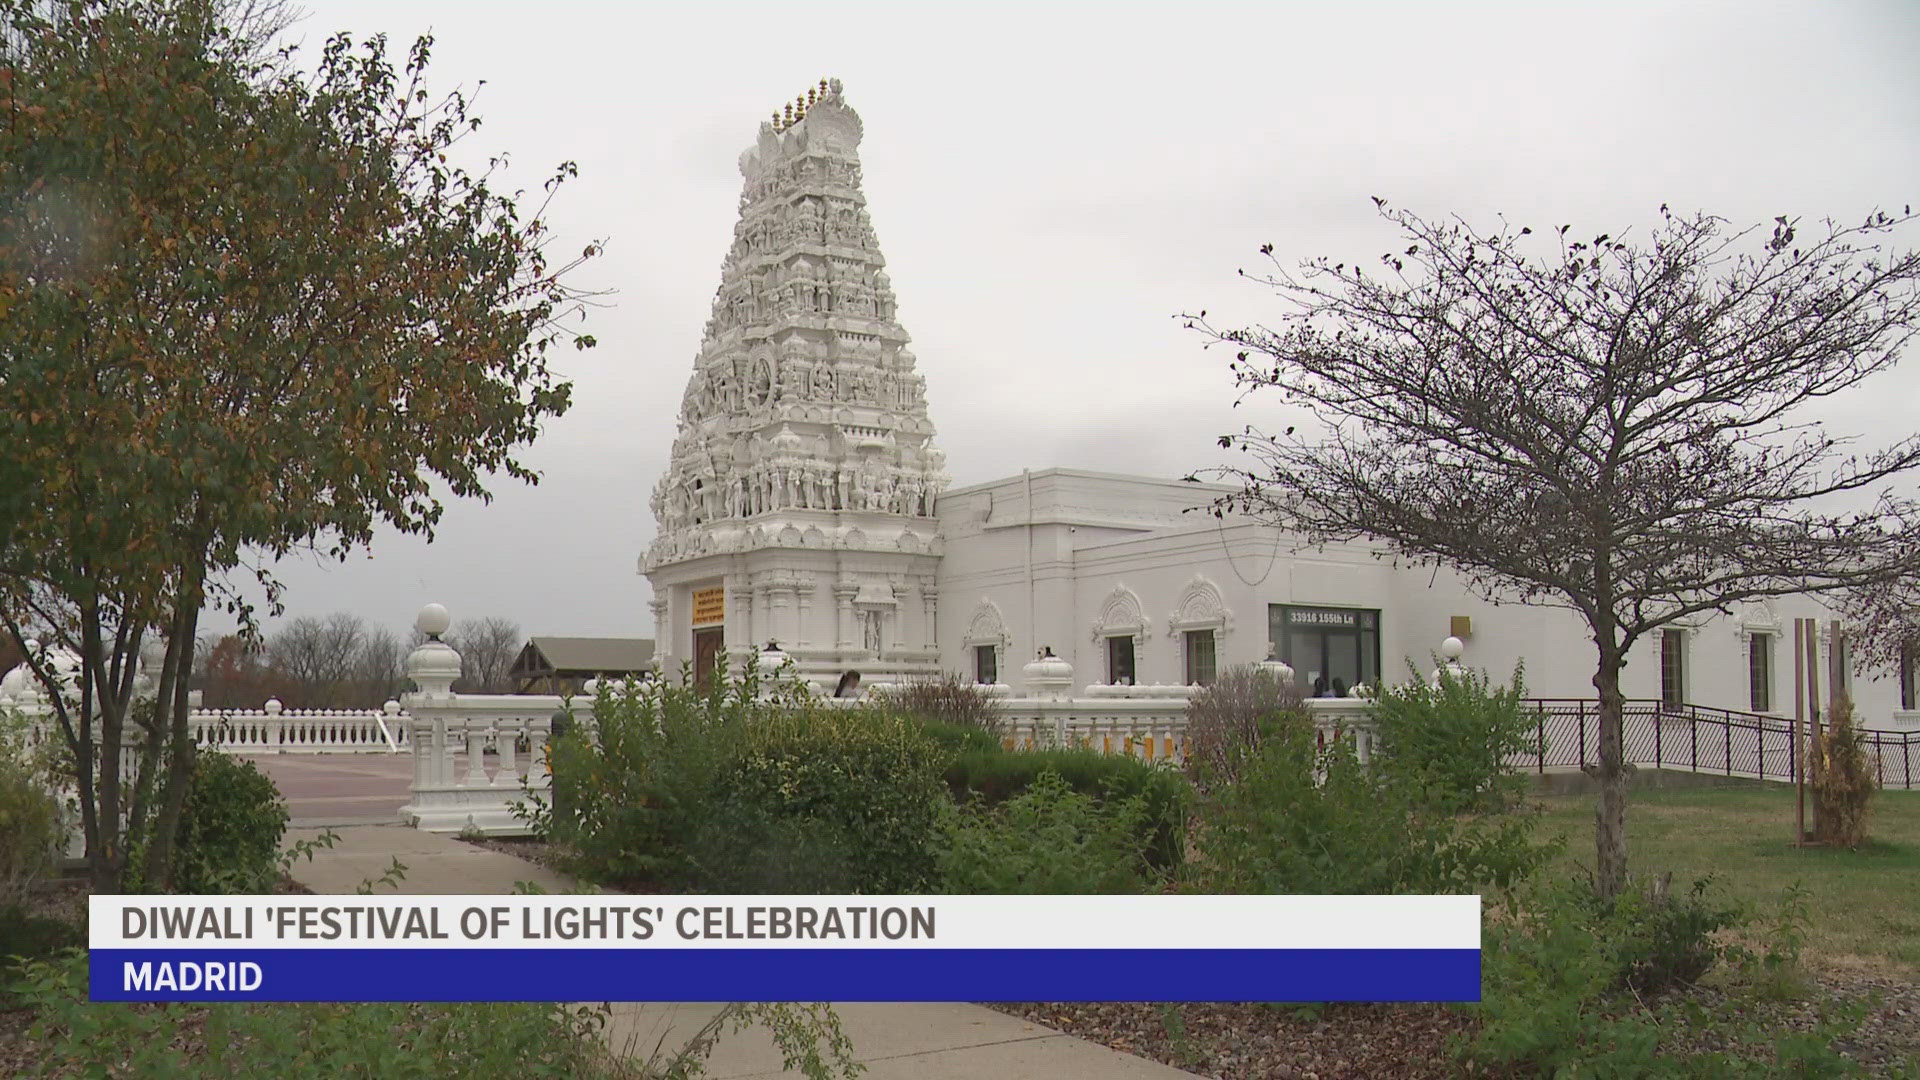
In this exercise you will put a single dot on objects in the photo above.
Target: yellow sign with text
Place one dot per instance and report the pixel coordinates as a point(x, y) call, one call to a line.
point(709, 606)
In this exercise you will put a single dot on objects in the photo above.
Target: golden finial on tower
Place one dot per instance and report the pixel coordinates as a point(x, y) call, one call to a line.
point(812, 96)
point(789, 112)
point(823, 88)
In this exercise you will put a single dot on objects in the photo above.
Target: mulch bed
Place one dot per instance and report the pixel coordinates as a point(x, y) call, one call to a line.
point(1268, 1042)
point(1341, 1041)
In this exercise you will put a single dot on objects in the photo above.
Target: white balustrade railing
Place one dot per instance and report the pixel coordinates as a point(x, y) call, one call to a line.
point(269, 730)
point(274, 730)
point(476, 755)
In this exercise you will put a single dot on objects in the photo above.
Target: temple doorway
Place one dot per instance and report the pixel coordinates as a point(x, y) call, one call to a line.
point(708, 646)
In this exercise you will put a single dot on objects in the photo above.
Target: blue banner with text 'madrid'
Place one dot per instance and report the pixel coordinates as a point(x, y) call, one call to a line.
point(785, 948)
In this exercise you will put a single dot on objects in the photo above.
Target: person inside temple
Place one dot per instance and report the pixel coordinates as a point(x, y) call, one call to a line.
point(849, 685)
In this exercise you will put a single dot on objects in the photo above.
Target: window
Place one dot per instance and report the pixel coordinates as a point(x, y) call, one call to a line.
point(1673, 646)
point(1199, 657)
point(1909, 675)
point(1760, 672)
point(986, 665)
point(1120, 661)
point(1331, 650)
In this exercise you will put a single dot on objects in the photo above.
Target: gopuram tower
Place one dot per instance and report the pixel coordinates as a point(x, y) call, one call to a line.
point(798, 504)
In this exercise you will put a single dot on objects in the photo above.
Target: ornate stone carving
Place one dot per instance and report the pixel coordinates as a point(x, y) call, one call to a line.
point(1200, 608)
point(986, 626)
point(1121, 613)
point(804, 425)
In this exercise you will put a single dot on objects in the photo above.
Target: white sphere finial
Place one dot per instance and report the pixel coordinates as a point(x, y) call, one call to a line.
point(1452, 648)
point(432, 621)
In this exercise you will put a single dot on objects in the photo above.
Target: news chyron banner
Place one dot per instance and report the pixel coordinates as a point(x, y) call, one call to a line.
point(785, 948)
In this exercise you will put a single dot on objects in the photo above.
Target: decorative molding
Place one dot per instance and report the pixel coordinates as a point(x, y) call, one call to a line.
point(1757, 617)
point(804, 404)
point(1201, 607)
point(987, 626)
point(1121, 613)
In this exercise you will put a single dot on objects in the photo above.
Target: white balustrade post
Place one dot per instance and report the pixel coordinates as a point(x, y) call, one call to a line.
point(508, 774)
point(433, 667)
point(273, 726)
point(1050, 679)
point(476, 756)
point(1451, 651)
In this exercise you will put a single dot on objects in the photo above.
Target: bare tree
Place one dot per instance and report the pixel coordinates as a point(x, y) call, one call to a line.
point(318, 659)
point(380, 669)
point(1615, 428)
point(1883, 631)
point(235, 674)
point(488, 648)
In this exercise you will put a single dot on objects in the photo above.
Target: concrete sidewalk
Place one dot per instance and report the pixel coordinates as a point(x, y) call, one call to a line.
point(435, 863)
point(895, 1041)
point(340, 789)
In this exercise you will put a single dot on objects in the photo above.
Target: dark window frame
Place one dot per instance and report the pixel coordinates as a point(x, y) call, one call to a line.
point(1760, 672)
point(1189, 641)
point(1132, 674)
point(1910, 676)
point(1673, 668)
point(986, 664)
point(1368, 623)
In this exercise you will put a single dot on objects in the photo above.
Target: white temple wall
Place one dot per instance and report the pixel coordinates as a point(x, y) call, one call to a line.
point(1092, 580)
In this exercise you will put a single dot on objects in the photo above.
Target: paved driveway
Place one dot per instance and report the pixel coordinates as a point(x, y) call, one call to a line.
point(340, 789)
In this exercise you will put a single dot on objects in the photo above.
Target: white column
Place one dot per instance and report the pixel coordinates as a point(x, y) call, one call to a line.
point(803, 597)
point(930, 604)
point(662, 633)
point(843, 594)
point(740, 597)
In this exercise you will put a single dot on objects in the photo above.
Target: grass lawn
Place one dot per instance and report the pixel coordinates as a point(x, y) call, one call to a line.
point(1865, 904)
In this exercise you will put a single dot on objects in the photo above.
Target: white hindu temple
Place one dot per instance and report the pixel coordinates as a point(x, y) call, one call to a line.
point(806, 504)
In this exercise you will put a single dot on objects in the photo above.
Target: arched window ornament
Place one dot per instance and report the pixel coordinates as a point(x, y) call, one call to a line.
point(1121, 613)
point(1201, 607)
point(986, 641)
point(1121, 631)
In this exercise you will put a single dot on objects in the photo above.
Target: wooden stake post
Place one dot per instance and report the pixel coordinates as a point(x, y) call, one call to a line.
point(1800, 729)
point(1813, 704)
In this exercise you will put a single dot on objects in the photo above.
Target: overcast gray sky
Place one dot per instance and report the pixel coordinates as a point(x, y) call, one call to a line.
point(1053, 183)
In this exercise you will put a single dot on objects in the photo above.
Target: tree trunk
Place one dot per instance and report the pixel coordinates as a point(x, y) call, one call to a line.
point(171, 717)
point(1610, 815)
point(106, 857)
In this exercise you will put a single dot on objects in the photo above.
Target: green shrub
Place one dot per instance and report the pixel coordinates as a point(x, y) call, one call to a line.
point(1305, 818)
point(1843, 781)
point(73, 1036)
point(637, 776)
point(820, 799)
point(230, 828)
point(731, 789)
point(1570, 990)
point(30, 830)
point(1226, 721)
point(995, 775)
point(946, 700)
point(1657, 941)
point(1047, 839)
point(1457, 738)
point(25, 936)
point(955, 739)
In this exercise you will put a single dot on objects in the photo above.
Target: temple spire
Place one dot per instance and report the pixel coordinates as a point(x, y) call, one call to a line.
point(804, 425)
